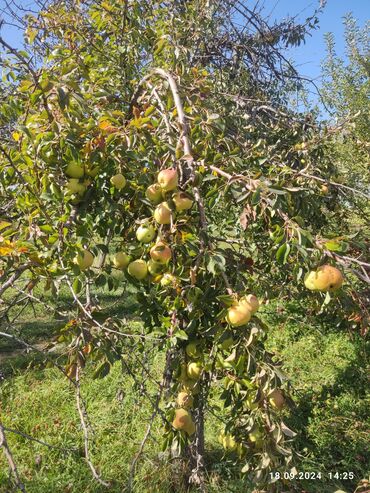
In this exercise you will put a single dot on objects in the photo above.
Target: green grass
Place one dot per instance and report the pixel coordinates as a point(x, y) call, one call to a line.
point(41, 403)
point(326, 366)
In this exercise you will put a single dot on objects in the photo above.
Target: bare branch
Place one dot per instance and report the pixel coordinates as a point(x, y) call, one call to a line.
point(10, 459)
point(83, 414)
point(41, 442)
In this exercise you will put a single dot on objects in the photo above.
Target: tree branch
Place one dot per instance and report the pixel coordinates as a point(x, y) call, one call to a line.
point(10, 459)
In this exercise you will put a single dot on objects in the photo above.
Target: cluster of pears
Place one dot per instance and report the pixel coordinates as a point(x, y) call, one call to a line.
point(277, 401)
point(79, 178)
point(190, 373)
point(242, 310)
point(326, 278)
point(160, 252)
point(229, 442)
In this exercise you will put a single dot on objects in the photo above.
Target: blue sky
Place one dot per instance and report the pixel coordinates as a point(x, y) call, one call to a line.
point(309, 55)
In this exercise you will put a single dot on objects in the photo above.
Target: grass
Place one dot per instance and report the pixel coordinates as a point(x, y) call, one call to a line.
point(326, 366)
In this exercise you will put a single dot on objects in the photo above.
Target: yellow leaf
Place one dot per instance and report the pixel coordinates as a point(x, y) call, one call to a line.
point(4, 224)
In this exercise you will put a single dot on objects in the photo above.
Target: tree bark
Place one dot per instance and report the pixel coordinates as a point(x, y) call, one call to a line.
point(196, 448)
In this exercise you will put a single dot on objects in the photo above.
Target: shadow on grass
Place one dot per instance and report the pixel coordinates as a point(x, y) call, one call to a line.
point(19, 362)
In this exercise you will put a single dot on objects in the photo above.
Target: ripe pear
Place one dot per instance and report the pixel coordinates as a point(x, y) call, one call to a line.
point(74, 170)
point(118, 181)
point(75, 186)
point(185, 400)
point(84, 259)
point(182, 201)
point(193, 350)
point(168, 179)
point(154, 193)
point(325, 278)
point(252, 301)
point(183, 421)
point(162, 213)
point(194, 370)
point(121, 260)
point(276, 399)
point(138, 269)
point(238, 314)
point(161, 253)
point(145, 233)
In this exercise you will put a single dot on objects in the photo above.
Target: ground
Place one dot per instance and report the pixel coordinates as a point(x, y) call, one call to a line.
point(327, 370)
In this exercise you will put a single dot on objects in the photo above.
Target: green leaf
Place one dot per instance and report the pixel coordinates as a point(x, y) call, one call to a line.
point(77, 285)
point(102, 370)
point(181, 334)
point(282, 253)
point(216, 264)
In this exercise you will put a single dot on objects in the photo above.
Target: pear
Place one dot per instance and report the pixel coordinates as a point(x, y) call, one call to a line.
point(325, 278)
point(183, 421)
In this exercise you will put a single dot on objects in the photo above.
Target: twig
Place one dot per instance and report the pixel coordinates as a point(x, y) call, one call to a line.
point(82, 413)
point(9, 457)
point(41, 442)
point(147, 433)
point(339, 185)
point(18, 272)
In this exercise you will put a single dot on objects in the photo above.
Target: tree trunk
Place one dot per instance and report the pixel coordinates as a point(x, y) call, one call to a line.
point(196, 448)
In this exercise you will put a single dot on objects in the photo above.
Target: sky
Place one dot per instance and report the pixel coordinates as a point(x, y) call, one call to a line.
point(308, 56)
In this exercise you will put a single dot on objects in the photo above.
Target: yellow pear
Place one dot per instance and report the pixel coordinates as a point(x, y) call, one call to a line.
point(193, 350)
point(276, 399)
point(74, 170)
point(162, 213)
point(252, 301)
point(183, 421)
point(145, 233)
point(182, 201)
point(184, 400)
point(325, 278)
point(161, 253)
point(238, 315)
point(154, 193)
point(84, 259)
point(168, 179)
point(194, 370)
point(75, 186)
point(138, 269)
point(168, 279)
point(118, 181)
point(121, 260)
point(189, 385)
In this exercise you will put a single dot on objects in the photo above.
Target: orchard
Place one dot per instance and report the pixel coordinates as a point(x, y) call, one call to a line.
point(144, 149)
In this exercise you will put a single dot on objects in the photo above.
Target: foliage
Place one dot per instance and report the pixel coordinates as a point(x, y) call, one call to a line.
point(129, 88)
point(346, 91)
